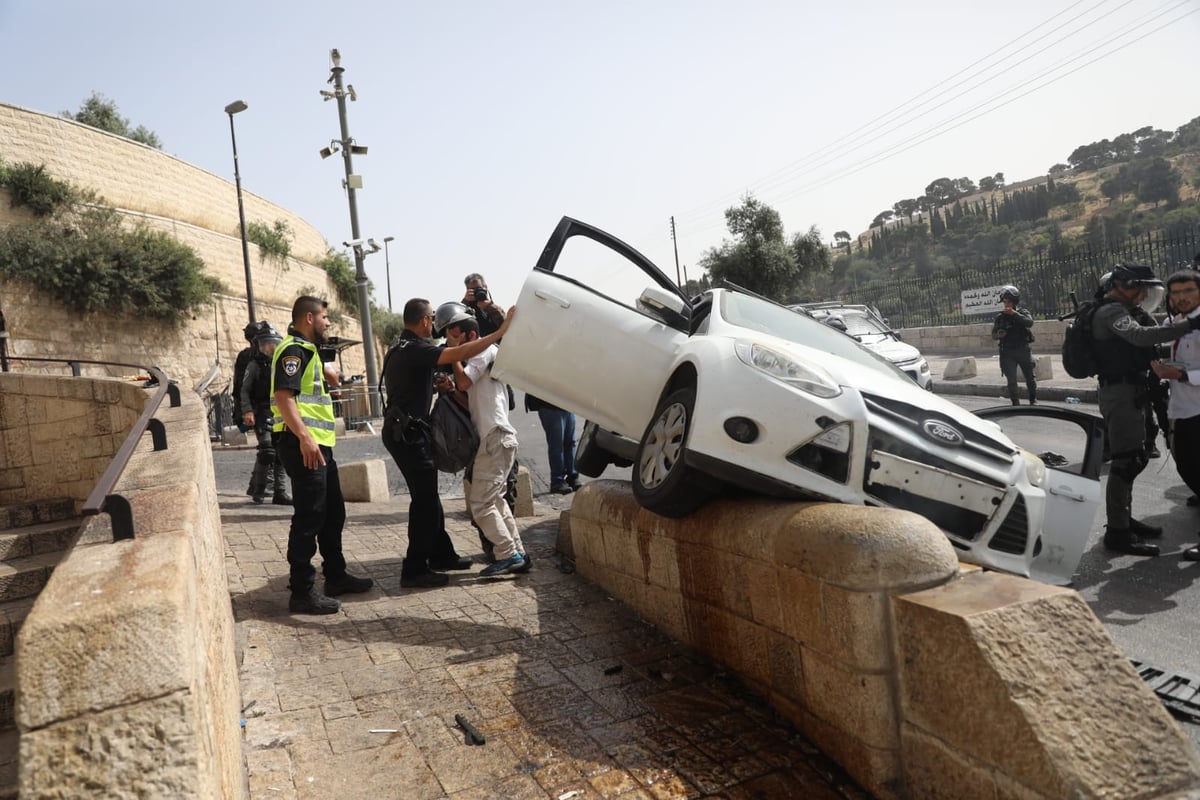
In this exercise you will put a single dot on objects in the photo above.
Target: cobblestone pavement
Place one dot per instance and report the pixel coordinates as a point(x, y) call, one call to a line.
point(575, 696)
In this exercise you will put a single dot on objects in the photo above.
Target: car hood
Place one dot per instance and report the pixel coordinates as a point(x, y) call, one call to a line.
point(895, 351)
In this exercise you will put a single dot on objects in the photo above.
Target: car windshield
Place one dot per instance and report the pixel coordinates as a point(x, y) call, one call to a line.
point(858, 324)
point(754, 314)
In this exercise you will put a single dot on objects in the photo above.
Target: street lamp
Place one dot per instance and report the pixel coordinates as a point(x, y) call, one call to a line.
point(352, 182)
point(388, 266)
point(236, 107)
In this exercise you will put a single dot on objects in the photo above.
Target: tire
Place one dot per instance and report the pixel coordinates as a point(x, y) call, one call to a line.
point(590, 458)
point(662, 482)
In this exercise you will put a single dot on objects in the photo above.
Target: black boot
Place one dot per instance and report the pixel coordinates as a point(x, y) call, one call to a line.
point(1124, 540)
point(346, 584)
point(1191, 554)
point(1144, 531)
point(260, 479)
point(311, 601)
point(1032, 394)
point(279, 483)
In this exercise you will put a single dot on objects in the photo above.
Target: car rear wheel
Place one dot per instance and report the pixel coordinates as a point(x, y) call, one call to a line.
point(662, 482)
point(590, 458)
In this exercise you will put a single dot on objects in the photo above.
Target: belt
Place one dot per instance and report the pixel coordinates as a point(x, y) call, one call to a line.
point(1139, 379)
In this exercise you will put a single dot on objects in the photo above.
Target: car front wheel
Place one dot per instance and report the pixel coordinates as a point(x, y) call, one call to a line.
point(662, 482)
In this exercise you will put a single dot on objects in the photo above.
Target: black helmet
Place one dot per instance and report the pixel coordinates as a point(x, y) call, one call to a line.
point(267, 333)
point(253, 329)
point(1010, 293)
point(448, 314)
point(1127, 276)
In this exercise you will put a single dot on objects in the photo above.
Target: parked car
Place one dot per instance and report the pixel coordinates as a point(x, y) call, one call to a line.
point(865, 325)
point(728, 389)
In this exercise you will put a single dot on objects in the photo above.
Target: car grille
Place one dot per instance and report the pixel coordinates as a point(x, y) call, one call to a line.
point(960, 522)
point(912, 417)
point(1014, 533)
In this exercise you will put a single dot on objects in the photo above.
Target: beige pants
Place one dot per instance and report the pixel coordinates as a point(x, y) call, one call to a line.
point(485, 492)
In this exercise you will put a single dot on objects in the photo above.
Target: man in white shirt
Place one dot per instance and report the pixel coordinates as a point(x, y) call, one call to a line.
point(488, 401)
point(1183, 370)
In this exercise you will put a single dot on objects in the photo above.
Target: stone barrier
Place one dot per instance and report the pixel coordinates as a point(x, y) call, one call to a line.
point(922, 678)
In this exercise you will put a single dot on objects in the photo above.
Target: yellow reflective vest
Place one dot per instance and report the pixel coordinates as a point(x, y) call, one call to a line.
point(313, 401)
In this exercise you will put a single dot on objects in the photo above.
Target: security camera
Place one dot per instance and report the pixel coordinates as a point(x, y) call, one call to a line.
point(355, 243)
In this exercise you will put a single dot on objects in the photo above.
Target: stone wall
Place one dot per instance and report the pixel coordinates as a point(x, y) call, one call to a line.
point(923, 679)
point(196, 207)
point(126, 675)
point(973, 340)
point(59, 434)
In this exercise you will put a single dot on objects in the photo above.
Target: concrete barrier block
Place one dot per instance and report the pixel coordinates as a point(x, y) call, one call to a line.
point(959, 368)
point(1043, 367)
point(524, 493)
point(364, 482)
point(339, 427)
point(232, 436)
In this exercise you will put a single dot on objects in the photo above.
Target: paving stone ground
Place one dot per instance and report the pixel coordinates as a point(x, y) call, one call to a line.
point(576, 697)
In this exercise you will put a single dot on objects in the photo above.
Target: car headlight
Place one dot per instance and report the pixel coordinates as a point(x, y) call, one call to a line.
point(1035, 469)
point(787, 369)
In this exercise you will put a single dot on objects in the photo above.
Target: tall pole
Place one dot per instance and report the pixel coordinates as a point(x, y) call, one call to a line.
point(675, 244)
point(233, 108)
point(364, 302)
point(388, 267)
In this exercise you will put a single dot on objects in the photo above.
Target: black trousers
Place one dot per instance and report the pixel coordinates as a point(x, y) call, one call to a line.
point(318, 514)
point(427, 536)
point(1010, 361)
point(1185, 446)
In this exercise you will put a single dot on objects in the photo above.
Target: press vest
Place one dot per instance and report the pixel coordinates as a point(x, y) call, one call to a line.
point(313, 402)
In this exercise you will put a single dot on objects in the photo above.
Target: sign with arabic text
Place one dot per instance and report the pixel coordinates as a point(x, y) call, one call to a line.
point(982, 301)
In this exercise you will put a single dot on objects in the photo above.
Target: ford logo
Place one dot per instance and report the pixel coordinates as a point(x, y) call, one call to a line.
point(941, 432)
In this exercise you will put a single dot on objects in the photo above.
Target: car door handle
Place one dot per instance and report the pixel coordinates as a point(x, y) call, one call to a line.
point(539, 294)
point(1063, 491)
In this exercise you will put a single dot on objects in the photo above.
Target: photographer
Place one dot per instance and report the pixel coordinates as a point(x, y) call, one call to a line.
point(408, 376)
point(479, 301)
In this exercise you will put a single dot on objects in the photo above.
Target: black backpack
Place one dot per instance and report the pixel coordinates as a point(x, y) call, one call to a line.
point(1079, 346)
point(452, 435)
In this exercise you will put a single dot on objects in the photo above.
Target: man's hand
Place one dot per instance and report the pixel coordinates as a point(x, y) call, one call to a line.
point(1008, 311)
point(310, 451)
point(508, 318)
point(1000, 334)
point(248, 418)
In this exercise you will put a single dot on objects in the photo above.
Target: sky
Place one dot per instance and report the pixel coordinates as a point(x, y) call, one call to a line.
point(486, 122)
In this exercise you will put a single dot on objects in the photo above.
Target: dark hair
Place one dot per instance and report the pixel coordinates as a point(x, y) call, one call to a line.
point(415, 309)
point(307, 304)
point(465, 325)
point(474, 277)
point(1184, 276)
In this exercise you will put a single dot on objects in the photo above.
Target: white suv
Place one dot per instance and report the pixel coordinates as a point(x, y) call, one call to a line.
point(872, 332)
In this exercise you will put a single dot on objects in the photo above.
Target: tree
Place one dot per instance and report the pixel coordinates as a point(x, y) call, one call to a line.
point(941, 192)
point(100, 112)
point(907, 208)
point(1059, 169)
point(842, 238)
point(1157, 181)
point(881, 218)
point(811, 255)
point(964, 186)
point(987, 184)
point(759, 258)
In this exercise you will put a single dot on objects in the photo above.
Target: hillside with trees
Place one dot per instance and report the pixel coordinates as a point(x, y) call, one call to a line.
point(1104, 198)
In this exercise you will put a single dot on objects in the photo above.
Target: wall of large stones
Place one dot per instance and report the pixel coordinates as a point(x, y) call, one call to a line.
point(199, 209)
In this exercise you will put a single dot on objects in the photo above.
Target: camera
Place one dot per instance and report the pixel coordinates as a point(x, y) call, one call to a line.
point(479, 293)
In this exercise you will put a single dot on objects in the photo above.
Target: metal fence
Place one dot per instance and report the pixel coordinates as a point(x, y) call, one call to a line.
point(1045, 281)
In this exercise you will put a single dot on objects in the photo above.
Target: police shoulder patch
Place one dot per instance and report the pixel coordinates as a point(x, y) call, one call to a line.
point(1125, 323)
point(291, 365)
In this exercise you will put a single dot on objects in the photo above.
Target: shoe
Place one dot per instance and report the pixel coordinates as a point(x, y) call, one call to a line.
point(281, 500)
point(1193, 501)
point(560, 488)
point(1152, 452)
point(1191, 554)
point(450, 563)
point(424, 580)
point(258, 499)
point(312, 602)
point(346, 584)
point(1033, 401)
point(1016, 402)
point(526, 564)
point(503, 567)
point(1144, 531)
point(1127, 542)
point(575, 484)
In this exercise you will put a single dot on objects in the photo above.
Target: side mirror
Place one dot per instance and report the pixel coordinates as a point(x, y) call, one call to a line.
point(665, 306)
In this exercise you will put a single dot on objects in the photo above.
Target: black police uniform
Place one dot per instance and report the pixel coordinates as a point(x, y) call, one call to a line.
point(1124, 349)
point(1015, 352)
point(408, 371)
point(269, 475)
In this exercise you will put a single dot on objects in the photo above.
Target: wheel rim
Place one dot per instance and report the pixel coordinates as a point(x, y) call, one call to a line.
point(664, 446)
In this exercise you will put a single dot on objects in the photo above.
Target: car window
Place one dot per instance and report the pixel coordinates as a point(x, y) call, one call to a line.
point(861, 325)
point(1060, 444)
point(602, 270)
point(759, 315)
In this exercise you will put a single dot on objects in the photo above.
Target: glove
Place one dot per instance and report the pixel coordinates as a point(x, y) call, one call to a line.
point(1194, 323)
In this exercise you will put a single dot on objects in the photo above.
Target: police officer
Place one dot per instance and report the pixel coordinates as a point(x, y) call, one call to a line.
point(251, 332)
point(1124, 350)
point(303, 413)
point(268, 475)
point(1013, 329)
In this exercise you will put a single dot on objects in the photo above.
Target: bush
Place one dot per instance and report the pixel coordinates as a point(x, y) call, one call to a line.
point(29, 185)
point(341, 274)
point(273, 241)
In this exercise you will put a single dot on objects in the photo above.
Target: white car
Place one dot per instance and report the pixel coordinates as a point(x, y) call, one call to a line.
point(872, 332)
point(729, 389)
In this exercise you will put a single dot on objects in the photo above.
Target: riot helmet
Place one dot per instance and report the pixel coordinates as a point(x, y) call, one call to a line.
point(448, 314)
point(1135, 276)
point(253, 329)
point(267, 336)
point(1010, 293)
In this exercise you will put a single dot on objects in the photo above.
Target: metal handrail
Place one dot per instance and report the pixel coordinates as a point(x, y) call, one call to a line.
point(102, 498)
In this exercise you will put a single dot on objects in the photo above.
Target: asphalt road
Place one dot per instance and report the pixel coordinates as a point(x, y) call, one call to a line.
point(1150, 606)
